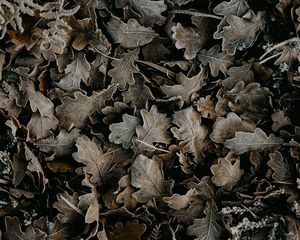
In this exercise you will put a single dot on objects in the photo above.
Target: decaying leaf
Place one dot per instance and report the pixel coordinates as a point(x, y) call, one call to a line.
point(124, 69)
point(258, 140)
point(208, 227)
point(225, 173)
point(130, 34)
point(147, 175)
point(76, 111)
point(217, 61)
point(122, 133)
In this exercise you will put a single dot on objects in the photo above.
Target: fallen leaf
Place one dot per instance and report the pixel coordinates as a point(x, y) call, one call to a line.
point(147, 175)
point(178, 202)
point(279, 120)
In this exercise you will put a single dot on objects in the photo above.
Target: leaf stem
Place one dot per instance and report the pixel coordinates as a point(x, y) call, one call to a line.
point(294, 39)
point(197, 14)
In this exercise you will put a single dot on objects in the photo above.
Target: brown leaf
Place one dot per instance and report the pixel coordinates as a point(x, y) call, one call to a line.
point(206, 107)
point(154, 129)
point(124, 69)
point(130, 34)
point(178, 202)
point(39, 127)
point(225, 128)
point(190, 131)
point(186, 87)
point(113, 112)
point(208, 227)
point(122, 133)
point(258, 140)
point(89, 202)
point(279, 120)
point(225, 173)
point(150, 11)
point(14, 231)
point(125, 192)
point(100, 165)
point(217, 61)
point(61, 145)
point(280, 166)
point(76, 71)
point(132, 230)
point(76, 111)
point(147, 175)
point(67, 206)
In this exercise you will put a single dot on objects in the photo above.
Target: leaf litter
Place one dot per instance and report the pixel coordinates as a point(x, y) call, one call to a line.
point(149, 119)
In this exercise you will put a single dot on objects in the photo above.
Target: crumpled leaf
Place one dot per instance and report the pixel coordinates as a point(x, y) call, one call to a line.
point(225, 128)
point(150, 11)
point(132, 230)
point(217, 61)
point(190, 131)
point(206, 228)
point(178, 202)
point(39, 127)
point(124, 69)
point(14, 231)
point(130, 34)
point(258, 140)
point(122, 133)
point(280, 166)
point(61, 145)
point(76, 71)
point(100, 165)
point(187, 38)
point(78, 110)
point(148, 176)
point(154, 129)
point(241, 32)
point(225, 173)
point(67, 206)
point(187, 87)
point(37, 100)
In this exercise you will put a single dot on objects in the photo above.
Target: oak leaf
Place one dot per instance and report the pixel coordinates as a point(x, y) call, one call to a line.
point(186, 87)
point(150, 11)
point(154, 129)
point(279, 120)
point(218, 61)
point(190, 131)
point(125, 192)
point(225, 173)
point(78, 110)
point(147, 175)
point(225, 128)
point(132, 230)
point(258, 140)
point(206, 228)
point(124, 69)
point(122, 133)
point(76, 71)
point(98, 164)
point(130, 34)
point(89, 202)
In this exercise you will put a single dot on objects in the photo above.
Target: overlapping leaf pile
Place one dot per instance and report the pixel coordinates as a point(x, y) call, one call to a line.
point(149, 119)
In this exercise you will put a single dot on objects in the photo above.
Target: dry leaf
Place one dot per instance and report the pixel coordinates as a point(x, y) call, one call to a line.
point(279, 120)
point(125, 192)
point(130, 34)
point(225, 173)
point(147, 175)
point(258, 140)
point(122, 133)
point(89, 202)
point(178, 202)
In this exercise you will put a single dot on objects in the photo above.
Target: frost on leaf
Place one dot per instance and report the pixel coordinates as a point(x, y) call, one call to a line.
point(206, 228)
point(99, 165)
point(190, 131)
point(150, 11)
point(76, 71)
point(186, 87)
point(122, 133)
point(245, 142)
point(79, 110)
point(130, 34)
point(154, 129)
point(217, 61)
point(225, 173)
point(148, 176)
point(225, 128)
point(124, 69)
